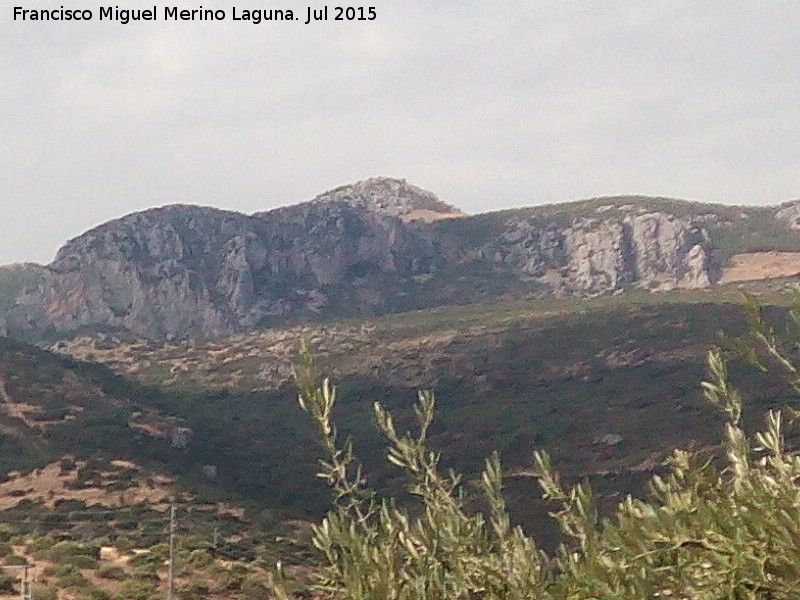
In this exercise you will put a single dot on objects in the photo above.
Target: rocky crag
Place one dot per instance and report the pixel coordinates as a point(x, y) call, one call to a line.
point(377, 246)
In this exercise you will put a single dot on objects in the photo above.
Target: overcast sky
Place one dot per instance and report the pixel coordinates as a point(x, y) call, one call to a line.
point(488, 104)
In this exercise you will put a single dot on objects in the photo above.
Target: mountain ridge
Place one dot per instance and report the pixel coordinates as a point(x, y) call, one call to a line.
point(374, 247)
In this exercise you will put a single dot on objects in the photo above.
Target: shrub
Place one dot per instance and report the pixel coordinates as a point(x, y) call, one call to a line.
point(148, 572)
point(66, 550)
point(109, 571)
point(66, 465)
point(61, 570)
point(65, 505)
point(80, 561)
point(7, 583)
point(14, 559)
point(253, 589)
point(44, 592)
point(235, 551)
point(194, 590)
point(49, 571)
point(94, 593)
point(6, 532)
point(194, 542)
point(232, 579)
point(159, 552)
point(707, 532)
point(134, 589)
point(199, 558)
point(72, 579)
point(124, 543)
point(42, 543)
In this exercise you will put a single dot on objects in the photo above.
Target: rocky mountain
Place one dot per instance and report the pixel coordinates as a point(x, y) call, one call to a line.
point(374, 247)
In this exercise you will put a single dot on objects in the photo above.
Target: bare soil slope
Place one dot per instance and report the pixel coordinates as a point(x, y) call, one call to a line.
point(761, 265)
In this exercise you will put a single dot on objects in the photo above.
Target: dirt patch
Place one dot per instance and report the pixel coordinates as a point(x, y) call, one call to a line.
point(223, 508)
point(158, 430)
point(49, 484)
point(761, 265)
point(20, 410)
point(429, 216)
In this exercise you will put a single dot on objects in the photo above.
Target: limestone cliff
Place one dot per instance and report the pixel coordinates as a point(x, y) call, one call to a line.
point(595, 255)
point(373, 247)
point(789, 213)
point(191, 271)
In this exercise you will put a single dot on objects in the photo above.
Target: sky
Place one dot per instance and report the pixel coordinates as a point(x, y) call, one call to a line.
point(488, 104)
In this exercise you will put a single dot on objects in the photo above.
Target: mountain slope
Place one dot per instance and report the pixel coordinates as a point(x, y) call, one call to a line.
point(608, 385)
point(375, 247)
point(51, 406)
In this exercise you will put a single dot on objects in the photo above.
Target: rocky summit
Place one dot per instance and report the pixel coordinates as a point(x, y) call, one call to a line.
point(374, 247)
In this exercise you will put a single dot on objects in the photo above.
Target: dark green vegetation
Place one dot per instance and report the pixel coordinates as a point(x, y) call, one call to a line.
point(55, 406)
point(95, 553)
point(609, 387)
point(706, 532)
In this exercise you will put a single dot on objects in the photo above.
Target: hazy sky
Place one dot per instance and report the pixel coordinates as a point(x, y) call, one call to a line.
point(488, 104)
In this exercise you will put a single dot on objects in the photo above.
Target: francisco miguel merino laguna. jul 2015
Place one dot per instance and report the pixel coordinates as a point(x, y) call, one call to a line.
point(173, 13)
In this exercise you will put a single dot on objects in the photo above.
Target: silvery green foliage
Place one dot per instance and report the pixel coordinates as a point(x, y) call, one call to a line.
point(705, 533)
point(709, 531)
point(376, 550)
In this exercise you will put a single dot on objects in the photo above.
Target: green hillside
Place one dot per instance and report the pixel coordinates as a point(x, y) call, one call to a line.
point(609, 386)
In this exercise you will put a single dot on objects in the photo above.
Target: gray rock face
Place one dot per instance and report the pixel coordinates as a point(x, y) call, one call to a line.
point(384, 196)
point(373, 247)
point(153, 273)
point(789, 213)
point(189, 271)
point(599, 257)
point(667, 252)
point(595, 255)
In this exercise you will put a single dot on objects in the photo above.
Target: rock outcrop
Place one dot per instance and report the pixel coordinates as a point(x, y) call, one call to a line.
point(191, 271)
point(789, 213)
point(374, 247)
point(595, 255)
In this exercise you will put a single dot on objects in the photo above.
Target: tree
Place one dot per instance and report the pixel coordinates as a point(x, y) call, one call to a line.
point(711, 529)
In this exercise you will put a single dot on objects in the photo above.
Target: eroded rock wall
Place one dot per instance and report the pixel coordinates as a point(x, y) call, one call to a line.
point(600, 255)
point(369, 248)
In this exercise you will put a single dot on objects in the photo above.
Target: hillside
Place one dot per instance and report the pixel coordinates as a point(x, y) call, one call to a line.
point(88, 470)
point(415, 349)
point(49, 402)
point(380, 246)
point(607, 385)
